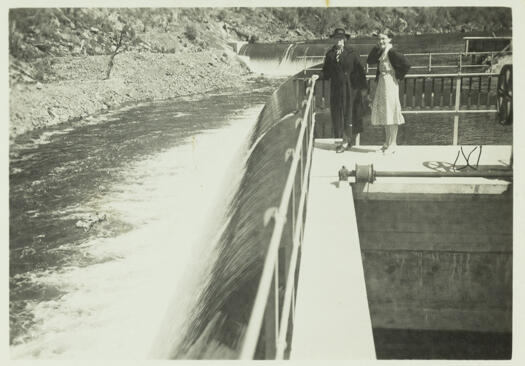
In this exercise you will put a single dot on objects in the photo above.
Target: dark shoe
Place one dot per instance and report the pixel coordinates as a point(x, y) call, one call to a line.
point(340, 149)
point(389, 150)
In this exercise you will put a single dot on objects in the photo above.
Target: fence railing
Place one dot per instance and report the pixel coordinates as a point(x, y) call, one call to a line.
point(268, 318)
point(430, 61)
point(467, 93)
point(434, 93)
point(270, 326)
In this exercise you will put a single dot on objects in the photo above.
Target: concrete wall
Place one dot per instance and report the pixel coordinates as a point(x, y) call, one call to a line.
point(437, 261)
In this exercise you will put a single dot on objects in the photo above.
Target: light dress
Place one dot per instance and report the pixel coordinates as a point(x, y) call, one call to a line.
point(386, 108)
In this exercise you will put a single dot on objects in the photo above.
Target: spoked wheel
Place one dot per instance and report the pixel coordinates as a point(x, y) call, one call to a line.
point(504, 96)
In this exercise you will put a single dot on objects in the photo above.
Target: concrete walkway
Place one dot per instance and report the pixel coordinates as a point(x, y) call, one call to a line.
point(332, 319)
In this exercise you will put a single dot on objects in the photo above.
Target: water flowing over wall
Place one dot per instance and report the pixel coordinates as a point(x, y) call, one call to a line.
point(217, 323)
point(288, 58)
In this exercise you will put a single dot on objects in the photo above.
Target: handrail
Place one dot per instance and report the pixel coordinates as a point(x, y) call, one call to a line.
point(430, 76)
point(289, 288)
point(465, 93)
point(430, 65)
point(477, 53)
point(279, 215)
point(451, 75)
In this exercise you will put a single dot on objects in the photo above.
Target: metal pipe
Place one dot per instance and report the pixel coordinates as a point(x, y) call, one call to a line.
point(491, 173)
point(456, 109)
point(412, 76)
point(451, 111)
point(425, 54)
point(367, 174)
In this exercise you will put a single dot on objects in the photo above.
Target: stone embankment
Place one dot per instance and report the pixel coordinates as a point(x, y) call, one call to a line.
point(81, 89)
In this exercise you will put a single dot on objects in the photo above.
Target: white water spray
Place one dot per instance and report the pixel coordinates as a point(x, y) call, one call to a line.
point(114, 309)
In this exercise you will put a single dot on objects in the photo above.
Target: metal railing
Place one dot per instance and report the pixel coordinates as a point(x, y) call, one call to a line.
point(273, 312)
point(428, 95)
point(455, 94)
point(431, 60)
point(266, 307)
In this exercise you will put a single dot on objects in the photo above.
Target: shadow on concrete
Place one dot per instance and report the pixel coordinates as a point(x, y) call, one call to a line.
point(332, 145)
point(364, 150)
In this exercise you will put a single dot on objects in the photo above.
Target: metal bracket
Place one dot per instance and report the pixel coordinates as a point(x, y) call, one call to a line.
point(288, 154)
point(269, 214)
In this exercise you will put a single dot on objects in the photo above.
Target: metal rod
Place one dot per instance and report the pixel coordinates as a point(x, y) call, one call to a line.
point(492, 173)
point(488, 91)
point(456, 108)
point(412, 76)
point(271, 321)
point(441, 97)
point(450, 111)
point(479, 92)
point(404, 93)
point(425, 54)
point(423, 93)
point(414, 93)
point(432, 94)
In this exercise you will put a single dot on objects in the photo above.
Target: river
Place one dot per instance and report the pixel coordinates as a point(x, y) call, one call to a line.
point(104, 217)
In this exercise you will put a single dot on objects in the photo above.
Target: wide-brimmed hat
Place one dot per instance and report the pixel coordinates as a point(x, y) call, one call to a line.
point(339, 33)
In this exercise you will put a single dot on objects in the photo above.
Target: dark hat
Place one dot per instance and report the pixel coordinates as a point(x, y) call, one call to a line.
point(339, 32)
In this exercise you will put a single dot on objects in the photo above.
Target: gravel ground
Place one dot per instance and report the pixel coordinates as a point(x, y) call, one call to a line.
point(79, 88)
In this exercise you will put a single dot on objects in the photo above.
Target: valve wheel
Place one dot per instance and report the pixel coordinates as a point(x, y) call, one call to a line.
point(504, 95)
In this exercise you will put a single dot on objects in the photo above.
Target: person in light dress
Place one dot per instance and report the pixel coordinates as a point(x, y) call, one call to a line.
point(392, 66)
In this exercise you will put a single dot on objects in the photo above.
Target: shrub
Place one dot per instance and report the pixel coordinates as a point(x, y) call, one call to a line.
point(191, 32)
point(221, 16)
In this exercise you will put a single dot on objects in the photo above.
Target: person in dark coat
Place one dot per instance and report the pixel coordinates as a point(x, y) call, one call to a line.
point(392, 66)
point(347, 76)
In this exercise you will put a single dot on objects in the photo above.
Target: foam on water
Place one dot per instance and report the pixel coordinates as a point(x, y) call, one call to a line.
point(277, 68)
point(177, 202)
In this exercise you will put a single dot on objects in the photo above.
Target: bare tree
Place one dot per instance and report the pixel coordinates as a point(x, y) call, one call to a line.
point(121, 41)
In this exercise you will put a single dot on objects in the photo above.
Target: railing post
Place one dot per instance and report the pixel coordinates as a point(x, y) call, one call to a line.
point(456, 109)
point(460, 63)
point(288, 245)
point(271, 319)
point(297, 98)
point(429, 62)
point(305, 60)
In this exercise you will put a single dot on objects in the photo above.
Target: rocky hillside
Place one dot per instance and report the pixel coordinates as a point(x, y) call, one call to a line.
point(38, 35)
point(66, 63)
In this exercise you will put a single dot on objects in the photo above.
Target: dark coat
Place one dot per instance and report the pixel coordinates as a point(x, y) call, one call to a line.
point(397, 59)
point(346, 77)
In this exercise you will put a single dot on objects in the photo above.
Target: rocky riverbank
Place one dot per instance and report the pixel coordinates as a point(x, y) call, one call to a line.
point(82, 91)
point(59, 56)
